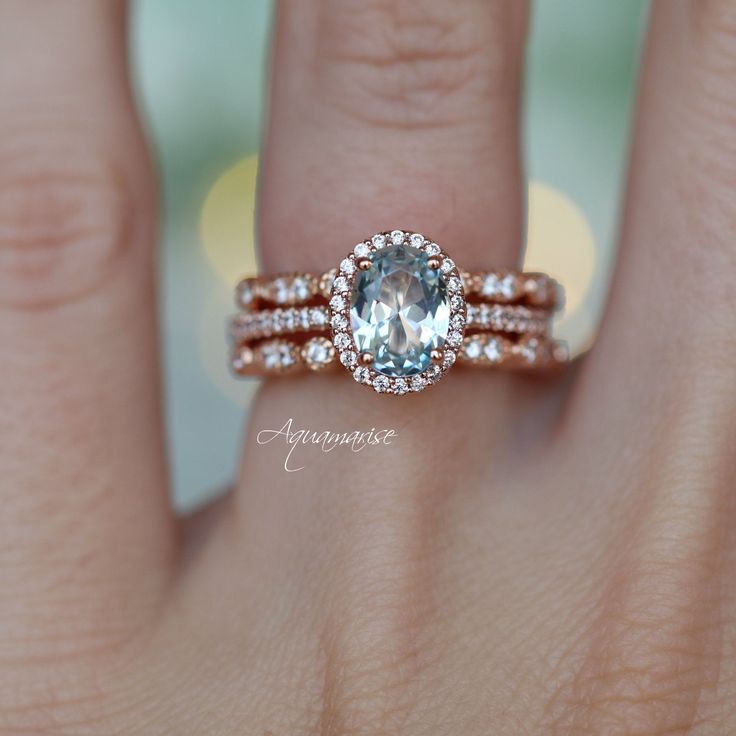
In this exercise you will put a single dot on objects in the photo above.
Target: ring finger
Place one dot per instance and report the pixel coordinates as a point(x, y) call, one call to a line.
point(382, 115)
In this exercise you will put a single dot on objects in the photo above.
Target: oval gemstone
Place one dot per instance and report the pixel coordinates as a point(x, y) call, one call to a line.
point(400, 311)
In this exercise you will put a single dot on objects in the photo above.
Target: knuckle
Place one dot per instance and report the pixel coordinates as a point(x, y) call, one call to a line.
point(65, 218)
point(658, 691)
point(377, 644)
point(411, 66)
point(651, 658)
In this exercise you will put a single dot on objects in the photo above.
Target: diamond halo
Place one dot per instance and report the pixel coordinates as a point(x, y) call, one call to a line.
point(343, 339)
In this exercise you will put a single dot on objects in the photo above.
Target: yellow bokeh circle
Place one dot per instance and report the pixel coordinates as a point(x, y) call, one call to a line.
point(227, 223)
point(560, 240)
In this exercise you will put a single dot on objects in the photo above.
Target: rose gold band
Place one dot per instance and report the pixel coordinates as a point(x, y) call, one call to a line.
point(281, 356)
point(498, 286)
point(397, 313)
point(256, 325)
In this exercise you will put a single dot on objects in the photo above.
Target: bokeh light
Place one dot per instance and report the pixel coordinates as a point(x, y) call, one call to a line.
point(227, 222)
point(200, 75)
point(560, 242)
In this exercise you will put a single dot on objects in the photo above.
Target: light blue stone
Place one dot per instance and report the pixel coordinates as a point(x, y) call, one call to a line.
point(400, 311)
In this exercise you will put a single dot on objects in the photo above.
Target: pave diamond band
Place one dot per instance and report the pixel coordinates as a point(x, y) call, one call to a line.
point(500, 287)
point(278, 356)
point(263, 323)
point(398, 313)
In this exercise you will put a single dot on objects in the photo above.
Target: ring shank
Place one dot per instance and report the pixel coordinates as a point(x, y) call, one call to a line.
point(299, 321)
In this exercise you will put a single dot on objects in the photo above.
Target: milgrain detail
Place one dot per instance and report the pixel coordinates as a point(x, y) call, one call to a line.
point(650, 661)
point(395, 288)
point(495, 287)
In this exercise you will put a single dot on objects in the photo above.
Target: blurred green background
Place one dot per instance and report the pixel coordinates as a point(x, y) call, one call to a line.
point(200, 69)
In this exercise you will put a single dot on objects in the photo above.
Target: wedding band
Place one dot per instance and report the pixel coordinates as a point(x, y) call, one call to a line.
point(263, 323)
point(399, 314)
point(499, 287)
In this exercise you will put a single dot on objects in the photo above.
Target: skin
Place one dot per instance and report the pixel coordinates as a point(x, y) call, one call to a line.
point(563, 563)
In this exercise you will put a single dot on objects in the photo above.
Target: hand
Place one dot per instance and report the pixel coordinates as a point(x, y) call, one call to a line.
point(528, 557)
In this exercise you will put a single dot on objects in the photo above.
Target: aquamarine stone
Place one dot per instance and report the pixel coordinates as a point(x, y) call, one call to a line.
point(399, 311)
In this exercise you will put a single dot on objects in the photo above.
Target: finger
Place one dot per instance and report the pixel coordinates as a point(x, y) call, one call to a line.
point(382, 115)
point(393, 114)
point(668, 334)
point(85, 527)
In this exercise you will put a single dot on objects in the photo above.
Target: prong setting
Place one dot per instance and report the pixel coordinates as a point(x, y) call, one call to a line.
point(362, 364)
point(438, 356)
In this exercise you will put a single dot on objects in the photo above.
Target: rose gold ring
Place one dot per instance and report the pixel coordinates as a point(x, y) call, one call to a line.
point(399, 314)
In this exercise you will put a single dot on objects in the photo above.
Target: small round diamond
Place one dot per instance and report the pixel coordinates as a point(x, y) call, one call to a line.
point(447, 265)
point(380, 384)
point(301, 289)
point(325, 282)
point(418, 383)
point(529, 350)
point(246, 293)
point(493, 350)
point(495, 286)
point(458, 321)
point(339, 321)
point(417, 240)
point(290, 318)
point(485, 315)
point(454, 284)
point(264, 322)
point(397, 237)
point(401, 386)
point(454, 338)
point(340, 284)
point(347, 266)
point(342, 340)
point(242, 358)
point(277, 321)
point(361, 250)
point(277, 356)
point(348, 358)
point(432, 249)
point(317, 317)
point(281, 291)
point(433, 373)
point(337, 303)
point(473, 349)
point(456, 302)
point(449, 358)
point(362, 374)
point(318, 352)
point(379, 240)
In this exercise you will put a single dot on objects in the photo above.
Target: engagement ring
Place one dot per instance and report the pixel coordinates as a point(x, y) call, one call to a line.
point(397, 313)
